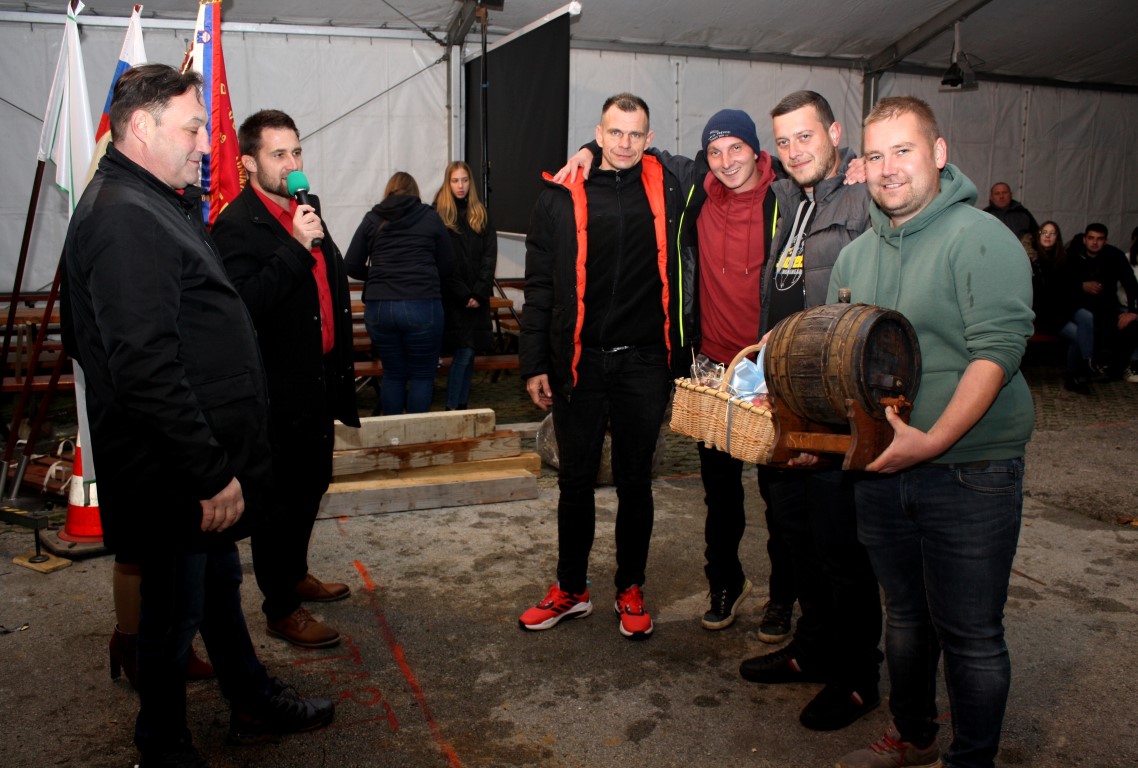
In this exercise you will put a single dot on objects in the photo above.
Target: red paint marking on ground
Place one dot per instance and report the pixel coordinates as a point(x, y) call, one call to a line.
point(408, 674)
point(340, 525)
point(369, 585)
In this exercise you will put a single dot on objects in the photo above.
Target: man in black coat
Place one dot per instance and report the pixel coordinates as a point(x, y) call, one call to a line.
point(1097, 274)
point(290, 274)
point(178, 406)
point(1010, 211)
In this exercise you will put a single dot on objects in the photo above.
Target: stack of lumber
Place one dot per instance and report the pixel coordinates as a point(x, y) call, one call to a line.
point(425, 461)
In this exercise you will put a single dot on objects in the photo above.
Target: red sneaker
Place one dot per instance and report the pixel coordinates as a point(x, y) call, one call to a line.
point(555, 606)
point(635, 623)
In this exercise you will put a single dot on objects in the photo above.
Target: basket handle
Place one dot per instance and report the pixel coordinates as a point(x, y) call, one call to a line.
point(729, 373)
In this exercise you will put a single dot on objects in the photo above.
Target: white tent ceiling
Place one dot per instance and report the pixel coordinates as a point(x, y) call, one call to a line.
point(367, 82)
point(1090, 41)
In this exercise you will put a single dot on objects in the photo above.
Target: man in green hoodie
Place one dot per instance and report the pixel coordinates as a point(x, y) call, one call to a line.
point(939, 510)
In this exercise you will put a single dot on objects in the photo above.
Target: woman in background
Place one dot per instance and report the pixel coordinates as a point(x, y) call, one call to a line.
point(1053, 302)
point(466, 293)
point(402, 251)
point(1056, 309)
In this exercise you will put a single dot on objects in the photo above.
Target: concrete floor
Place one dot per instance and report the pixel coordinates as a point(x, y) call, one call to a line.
point(435, 672)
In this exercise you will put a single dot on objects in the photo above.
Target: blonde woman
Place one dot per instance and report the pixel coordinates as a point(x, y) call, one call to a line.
point(466, 293)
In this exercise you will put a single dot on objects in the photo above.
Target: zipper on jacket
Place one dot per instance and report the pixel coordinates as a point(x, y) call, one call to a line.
point(619, 255)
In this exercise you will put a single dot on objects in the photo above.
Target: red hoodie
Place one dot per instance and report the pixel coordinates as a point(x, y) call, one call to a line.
point(731, 256)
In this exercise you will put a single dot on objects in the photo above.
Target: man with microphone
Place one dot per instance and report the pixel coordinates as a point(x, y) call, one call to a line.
point(288, 271)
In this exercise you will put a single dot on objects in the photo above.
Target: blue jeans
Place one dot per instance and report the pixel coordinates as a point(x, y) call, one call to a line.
point(458, 380)
point(942, 539)
point(406, 337)
point(628, 390)
point(1080, 335)
point(180, 594)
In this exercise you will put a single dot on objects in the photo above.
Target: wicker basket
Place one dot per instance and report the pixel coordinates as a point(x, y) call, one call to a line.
point(731, 424)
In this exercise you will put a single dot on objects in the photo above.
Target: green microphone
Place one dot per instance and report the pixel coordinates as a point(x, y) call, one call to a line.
point(298, 187)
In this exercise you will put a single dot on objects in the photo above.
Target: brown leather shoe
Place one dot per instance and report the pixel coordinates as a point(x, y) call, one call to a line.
point(313, 590)
point(299, 628)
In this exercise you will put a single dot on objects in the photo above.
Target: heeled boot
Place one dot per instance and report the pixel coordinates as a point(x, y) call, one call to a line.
point(198, 668)
point(124, 656)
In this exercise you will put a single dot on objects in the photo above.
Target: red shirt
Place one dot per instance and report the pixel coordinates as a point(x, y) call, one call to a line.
point(319, 271)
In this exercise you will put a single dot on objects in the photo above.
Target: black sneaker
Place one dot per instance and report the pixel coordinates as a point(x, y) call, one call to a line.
point(837, 706)
point(775, 626)
point(181, 757)
point(781, 666)
point(724, 604)
point(284, 711)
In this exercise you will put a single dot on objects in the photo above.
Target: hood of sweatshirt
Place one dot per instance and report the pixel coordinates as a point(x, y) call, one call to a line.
point(401, 211)
point(744, 210)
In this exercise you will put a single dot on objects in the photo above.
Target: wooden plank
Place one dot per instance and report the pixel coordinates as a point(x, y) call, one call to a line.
point(529, 461)
point(527, 429)
point(415, 428)
point(401, 495)
point(373, 368)
point(498, 445)
point(51, 565)
point(39, 383)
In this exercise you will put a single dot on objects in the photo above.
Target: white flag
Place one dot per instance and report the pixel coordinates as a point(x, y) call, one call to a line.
point(68, 137)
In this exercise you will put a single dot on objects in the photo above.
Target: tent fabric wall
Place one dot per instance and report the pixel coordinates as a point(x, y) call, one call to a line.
point(347, 160)
point(1068, 154)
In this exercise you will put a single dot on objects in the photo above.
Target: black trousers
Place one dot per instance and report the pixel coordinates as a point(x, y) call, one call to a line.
point(722, 477)
point(627, 391)
point(302, 469)
point(180, 595)
point(840, 628)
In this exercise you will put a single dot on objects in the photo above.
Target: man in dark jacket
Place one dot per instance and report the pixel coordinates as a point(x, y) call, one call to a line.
point(811, 511)
point(1096, 272)
point(290, 275)
point(600, 329)
point(724, 236)
point(1009, 211)
point(178, 407)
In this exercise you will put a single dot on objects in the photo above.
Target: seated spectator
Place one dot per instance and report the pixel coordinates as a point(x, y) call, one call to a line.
point(1011, 212)
point(1096, 271)
point(1132, 374)
point(1053, 302)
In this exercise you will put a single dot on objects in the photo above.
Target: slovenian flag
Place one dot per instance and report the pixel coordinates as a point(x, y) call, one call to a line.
point(68, 137)
point(223, 176)
point(132, 54)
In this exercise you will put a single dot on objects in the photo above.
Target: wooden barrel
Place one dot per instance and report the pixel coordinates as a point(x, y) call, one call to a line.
point(818, 358)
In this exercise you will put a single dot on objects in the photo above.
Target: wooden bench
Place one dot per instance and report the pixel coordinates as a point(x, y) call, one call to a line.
point(374, 369)
point(39, 383)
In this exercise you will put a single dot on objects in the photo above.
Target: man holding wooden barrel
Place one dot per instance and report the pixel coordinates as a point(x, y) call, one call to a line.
point(939, 512)
point(811, 510)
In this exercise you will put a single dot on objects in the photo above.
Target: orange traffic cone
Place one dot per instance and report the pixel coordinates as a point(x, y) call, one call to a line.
point(82, 525)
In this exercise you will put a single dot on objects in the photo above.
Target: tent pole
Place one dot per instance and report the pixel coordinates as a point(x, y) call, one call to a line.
point(483, 17)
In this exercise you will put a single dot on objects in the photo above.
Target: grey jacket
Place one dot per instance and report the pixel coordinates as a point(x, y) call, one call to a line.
point(840, 215)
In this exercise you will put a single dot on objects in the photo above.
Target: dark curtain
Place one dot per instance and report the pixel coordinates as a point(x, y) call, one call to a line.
point(528, 105)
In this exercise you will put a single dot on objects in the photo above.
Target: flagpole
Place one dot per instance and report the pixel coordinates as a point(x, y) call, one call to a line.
point(25, 244)
point(61, 112)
